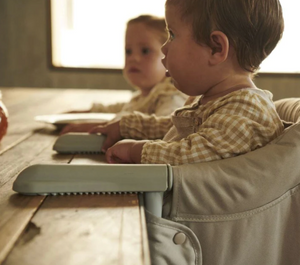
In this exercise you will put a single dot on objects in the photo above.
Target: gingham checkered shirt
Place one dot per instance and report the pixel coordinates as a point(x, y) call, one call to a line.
point(162, 100)
point(235, 124)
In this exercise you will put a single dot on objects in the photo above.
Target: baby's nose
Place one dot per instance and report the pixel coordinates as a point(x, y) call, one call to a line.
point(135, 57)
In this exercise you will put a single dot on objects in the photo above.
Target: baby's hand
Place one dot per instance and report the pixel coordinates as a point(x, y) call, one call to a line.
point(79, 127)
point(126, 151)
point(112, 131)
point(76, 111)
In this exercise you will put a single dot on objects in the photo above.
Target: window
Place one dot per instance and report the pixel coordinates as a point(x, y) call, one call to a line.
point(285, 58)
point(90, 33)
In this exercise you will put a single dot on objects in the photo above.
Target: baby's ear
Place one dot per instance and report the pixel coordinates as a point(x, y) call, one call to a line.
point(219, 47)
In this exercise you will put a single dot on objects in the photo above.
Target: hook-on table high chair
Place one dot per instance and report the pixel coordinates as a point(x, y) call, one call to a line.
point(238, 211)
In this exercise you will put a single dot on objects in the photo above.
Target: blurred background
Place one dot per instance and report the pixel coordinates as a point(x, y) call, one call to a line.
point(80, 44)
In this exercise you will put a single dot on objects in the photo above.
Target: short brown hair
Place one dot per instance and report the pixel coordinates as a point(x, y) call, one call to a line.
point(253, 27)
point(152, 22)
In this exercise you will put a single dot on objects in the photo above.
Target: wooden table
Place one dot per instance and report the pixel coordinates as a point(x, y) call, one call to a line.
point(76, 229)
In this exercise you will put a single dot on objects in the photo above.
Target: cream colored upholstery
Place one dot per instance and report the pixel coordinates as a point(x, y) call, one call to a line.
point(237, 211)
point(288, 109)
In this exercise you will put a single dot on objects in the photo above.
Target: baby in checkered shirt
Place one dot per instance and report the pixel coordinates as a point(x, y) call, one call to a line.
point(212, 53)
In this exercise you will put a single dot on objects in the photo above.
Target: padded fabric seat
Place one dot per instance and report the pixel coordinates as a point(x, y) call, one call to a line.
point(238, 211)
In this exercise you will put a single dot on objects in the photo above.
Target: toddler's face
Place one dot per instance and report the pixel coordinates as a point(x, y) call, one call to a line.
point(185, 60)
point(143, 66)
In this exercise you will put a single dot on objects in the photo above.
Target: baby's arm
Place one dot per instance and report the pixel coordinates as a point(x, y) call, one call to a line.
point(229, 129)
point(78, 111)
point(211, 142)
point(99, 107)
point(112, 108)
point(142, 126)
point(133, 126)
point(222, 135)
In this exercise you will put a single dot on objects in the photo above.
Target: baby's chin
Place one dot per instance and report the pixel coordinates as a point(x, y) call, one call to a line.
point(143, 86)
point(136, 81)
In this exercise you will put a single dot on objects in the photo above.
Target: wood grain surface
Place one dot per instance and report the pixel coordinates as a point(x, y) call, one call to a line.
point(76, 229)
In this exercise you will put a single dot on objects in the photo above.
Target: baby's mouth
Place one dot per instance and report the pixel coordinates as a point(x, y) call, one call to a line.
point(133, 70)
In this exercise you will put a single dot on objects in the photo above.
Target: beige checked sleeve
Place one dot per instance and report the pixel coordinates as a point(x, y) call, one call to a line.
point(230, 129)
point(142, 126)
point(113, 108)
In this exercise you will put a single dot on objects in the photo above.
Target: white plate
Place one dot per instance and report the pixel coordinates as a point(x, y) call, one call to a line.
point(62, 119)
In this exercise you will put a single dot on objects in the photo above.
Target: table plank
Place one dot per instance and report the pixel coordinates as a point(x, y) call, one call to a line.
point(16, 210)
point(87, 229)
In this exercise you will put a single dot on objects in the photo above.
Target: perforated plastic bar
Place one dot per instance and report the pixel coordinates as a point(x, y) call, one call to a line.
point(58, 178)
point(79, 143)
point(49, 179)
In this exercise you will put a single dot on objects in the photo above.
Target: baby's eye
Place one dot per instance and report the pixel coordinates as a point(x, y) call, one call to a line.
point(145, 50)
point(128, 51)
point(171, 35)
